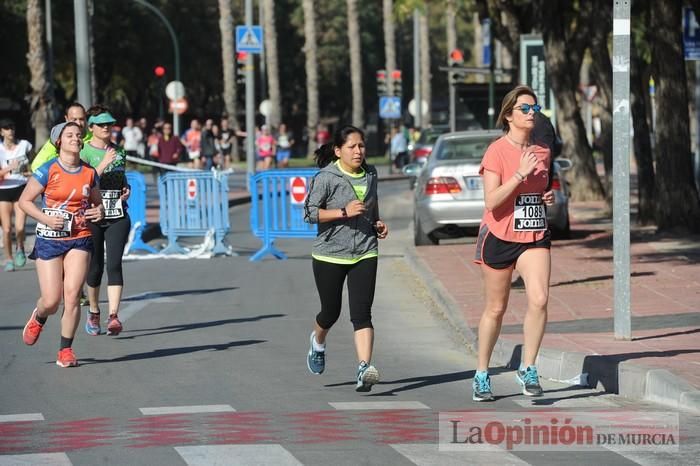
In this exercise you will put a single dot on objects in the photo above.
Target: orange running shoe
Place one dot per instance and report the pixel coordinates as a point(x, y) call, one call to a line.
point(114, 326)
point(66, 358)
point(32, 330)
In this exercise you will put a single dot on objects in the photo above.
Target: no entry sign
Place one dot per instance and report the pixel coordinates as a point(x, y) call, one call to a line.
point(191, 189)
point(297, 190)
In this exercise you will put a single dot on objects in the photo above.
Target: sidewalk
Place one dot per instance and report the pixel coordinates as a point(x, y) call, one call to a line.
point(660, 364)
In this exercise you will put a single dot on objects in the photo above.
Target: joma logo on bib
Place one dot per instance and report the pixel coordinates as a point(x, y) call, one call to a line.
point(529, 213)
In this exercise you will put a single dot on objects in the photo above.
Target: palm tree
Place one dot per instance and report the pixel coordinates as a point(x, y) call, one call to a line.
point(389, 44)
point(228, 63)
point(355, 64)
point(312, 112)
point(273, 74)
point(41, 99)
point(425, 75)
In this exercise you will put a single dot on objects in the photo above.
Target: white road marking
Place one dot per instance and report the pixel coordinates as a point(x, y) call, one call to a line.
point(21, 417)
point(428, 455)
point(37, 459)
point(233, 455)
point(187, 409)
point(358, 405)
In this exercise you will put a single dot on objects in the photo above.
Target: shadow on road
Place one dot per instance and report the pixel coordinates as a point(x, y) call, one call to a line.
point(165, 352)
point(194, 326)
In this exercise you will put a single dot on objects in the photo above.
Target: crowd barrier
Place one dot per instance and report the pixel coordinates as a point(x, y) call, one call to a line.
point(192, 204)
point(277, 208)
point(137, 212)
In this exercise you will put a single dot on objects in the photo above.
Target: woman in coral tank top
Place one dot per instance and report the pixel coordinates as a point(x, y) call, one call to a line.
point(514, 236)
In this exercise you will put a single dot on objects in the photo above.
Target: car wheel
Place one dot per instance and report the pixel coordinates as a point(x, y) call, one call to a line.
point(421, 238)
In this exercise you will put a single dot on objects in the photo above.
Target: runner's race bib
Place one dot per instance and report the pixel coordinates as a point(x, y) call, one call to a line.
point(530, 214)
point(111, 200)
point(44, 231)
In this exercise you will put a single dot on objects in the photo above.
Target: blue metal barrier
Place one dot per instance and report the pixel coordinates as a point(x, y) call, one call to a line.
point(191, 204)
point(277, 208)
point(137, 212)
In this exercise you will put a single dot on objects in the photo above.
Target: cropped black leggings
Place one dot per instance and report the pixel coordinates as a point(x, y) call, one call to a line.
point(115, 234)
point(362, 278)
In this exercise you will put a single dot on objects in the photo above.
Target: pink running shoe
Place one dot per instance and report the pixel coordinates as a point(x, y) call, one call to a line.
point(114, 327)
point(32, 330)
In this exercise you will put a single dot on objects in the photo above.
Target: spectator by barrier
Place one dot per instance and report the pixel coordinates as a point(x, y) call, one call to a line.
point(137, 211)
point(191, 204)
point(277, 208)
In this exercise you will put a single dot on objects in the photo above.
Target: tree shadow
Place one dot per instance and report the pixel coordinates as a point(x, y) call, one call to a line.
point(166, 352)
point(663, 335)
point(168, 294)
point(413, 383)
point(598, 278)
point(10, 328)
point(193, 326)
point(603, 369)
point(605, 324)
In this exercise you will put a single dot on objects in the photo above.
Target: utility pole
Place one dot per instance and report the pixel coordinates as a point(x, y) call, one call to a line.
point(417, 89)
point(249, 99)
point(82, 52)
point(621, 170)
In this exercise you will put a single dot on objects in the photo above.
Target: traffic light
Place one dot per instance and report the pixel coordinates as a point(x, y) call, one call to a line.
point(456, 61)
point(159, 71)
point(396, 79)
point(241, 58)
point(381, 82)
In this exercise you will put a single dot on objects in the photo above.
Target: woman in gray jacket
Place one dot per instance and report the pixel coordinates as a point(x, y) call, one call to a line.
point(343, 201)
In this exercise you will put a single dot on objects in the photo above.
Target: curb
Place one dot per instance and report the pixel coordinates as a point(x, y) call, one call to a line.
point(611, 373)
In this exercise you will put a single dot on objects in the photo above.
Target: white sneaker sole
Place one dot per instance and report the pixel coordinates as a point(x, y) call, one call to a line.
point(369, 378)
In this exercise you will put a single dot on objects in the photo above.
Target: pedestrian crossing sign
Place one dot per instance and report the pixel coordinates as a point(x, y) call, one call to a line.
point(249, 39)
point(389, 107)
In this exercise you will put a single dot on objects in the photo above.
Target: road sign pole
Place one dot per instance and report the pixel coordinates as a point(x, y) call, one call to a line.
point(621, 169)
point(82, 52)
point(249, 100)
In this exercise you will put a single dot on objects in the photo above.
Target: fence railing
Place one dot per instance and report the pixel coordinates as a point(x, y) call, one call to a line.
point(277, 208)
point(137, 212)
point(192, 204)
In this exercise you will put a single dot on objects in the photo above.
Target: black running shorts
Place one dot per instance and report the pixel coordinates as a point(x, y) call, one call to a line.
point(500, 254)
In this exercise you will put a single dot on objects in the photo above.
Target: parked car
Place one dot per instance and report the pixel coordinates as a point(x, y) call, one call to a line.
point(422, 148)
point(449, 197)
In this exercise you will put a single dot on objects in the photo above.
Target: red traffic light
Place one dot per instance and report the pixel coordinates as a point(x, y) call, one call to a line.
point(457, 56)
point(396, 74)
point(241, 56)
point(159, 71)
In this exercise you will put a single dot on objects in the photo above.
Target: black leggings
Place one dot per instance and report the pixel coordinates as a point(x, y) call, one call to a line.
point(115, 233)
point(362, 278)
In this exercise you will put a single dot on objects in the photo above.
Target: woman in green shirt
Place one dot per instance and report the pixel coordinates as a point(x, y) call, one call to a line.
point(109, 160)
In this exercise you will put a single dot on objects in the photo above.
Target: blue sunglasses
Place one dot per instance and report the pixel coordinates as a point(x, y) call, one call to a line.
point(525, 108)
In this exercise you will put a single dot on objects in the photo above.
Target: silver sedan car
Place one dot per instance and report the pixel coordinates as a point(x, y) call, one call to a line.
point(449, 196)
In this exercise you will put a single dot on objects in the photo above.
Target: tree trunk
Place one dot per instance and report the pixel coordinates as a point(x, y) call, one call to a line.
point(425, 75)
point(228, 64)
point(273, 73)
point(646, 191)
point(450, 27)
point(40, 102)
point(91, 51)
point(678, 205)
point(358, 111)
point(312, 112)
point(389, 44)
point(601, 68)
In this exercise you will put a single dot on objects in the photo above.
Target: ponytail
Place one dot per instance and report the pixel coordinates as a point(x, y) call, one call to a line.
point(324, 154)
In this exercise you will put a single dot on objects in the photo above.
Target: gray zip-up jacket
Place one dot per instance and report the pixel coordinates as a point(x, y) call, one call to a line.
point(346, 238)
